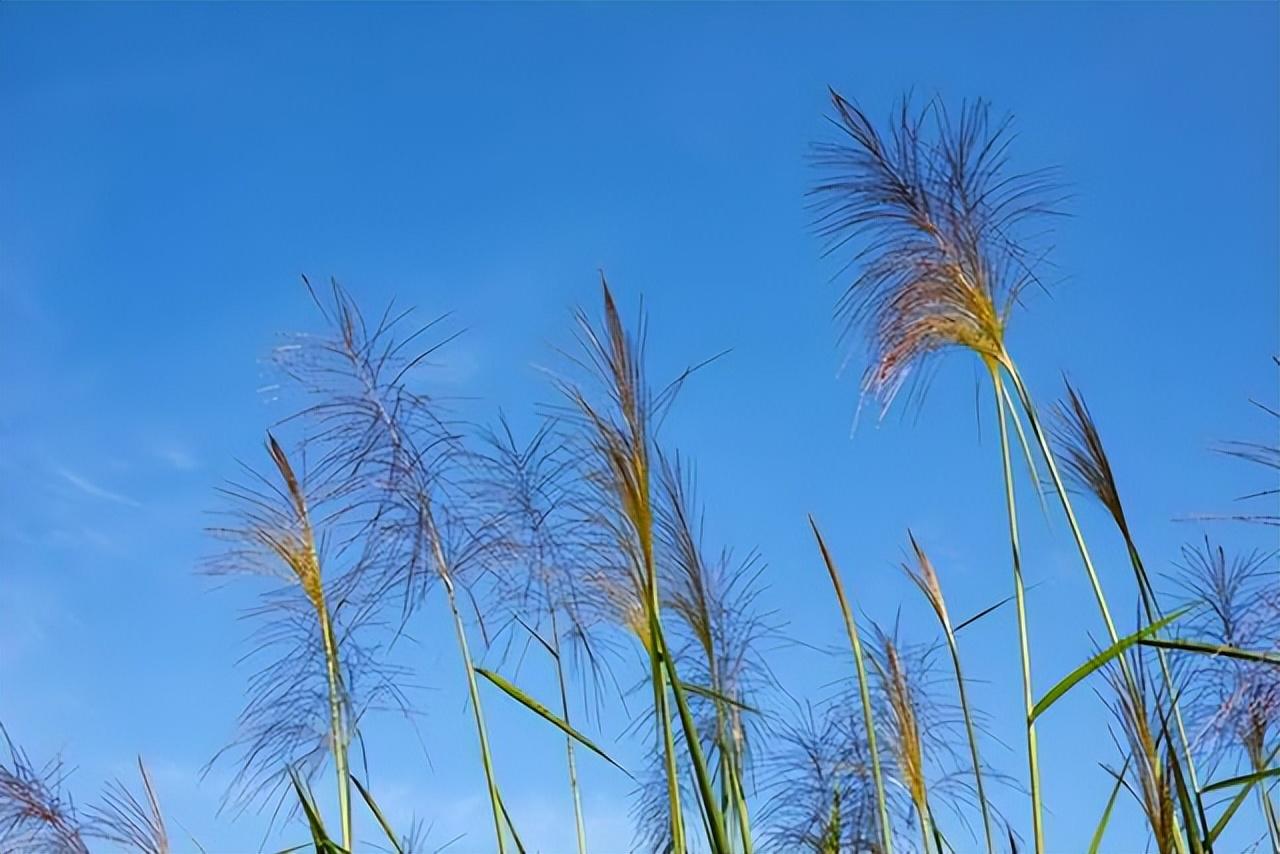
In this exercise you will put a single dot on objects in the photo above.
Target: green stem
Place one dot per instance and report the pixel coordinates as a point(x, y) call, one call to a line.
point(973, 738)
point(1059, 487)
point(740, 806)
point(864, 690)
point(495, 800)
point(716, 833)
point(579, 824)
point(1019, 590)
point(1264, 801)
point(1152, 607)
point(337, 722)
point(662, 711)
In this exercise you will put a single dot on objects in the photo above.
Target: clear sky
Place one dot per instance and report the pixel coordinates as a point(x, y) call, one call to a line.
point(167, 172)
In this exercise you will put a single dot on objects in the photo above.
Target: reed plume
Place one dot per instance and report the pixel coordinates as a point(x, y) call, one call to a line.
point(821, 793)
point(1237, 702)
point(1149, 774)
point(547, 551)
point(1078, 444)
point(125, 819)
point(37, 814)
point(925, 577)
point(617, 414)
point(300, 707)
point(718, 639)
point(417, 510)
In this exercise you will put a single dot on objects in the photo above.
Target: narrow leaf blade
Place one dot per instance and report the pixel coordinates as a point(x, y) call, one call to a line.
point(1110, 653)
point(546, 714)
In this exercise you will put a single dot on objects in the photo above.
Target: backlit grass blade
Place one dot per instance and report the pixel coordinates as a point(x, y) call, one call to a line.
point(1109, 654)
point(1096, 842)
point(547, 715)
point(377, 813)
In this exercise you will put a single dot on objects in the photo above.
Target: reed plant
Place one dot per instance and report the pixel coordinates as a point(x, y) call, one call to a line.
point(377, 497)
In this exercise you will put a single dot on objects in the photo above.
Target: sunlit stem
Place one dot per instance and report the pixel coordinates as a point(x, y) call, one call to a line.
point(1019, 591)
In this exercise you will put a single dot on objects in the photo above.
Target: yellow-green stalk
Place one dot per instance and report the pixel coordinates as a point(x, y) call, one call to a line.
point(303, 557)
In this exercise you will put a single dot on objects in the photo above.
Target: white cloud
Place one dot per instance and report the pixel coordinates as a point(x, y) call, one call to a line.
point(92, 489)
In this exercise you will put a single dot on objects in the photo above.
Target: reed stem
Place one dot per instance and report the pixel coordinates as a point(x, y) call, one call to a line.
point(579, 824)
point(486, 758)
point(1019, 591)
point(864, 691)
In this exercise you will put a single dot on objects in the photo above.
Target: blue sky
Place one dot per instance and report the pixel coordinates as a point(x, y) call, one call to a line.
point(167, 172)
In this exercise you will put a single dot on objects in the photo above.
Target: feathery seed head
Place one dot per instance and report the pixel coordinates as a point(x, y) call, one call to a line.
point(936, 214)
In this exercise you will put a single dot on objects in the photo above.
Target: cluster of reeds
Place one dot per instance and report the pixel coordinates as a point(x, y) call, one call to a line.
point(585, 542)
point(942, 256)
point(38, 814)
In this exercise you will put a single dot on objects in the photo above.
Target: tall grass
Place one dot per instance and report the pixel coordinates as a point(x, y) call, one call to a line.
point(379, 497)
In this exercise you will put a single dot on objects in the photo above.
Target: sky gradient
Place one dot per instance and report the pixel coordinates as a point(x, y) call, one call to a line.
point(168, 172)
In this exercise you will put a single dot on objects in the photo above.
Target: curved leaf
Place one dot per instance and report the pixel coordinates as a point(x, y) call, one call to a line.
point(1099, 660)
point(547, 715)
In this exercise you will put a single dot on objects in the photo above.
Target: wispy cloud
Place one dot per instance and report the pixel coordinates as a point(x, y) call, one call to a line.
point(177, 457)
point(92, 489)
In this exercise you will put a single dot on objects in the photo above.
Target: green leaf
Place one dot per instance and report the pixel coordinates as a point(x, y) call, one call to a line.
point(377, 813)
point(1108, 654)
point(716, 696)
point(1242, 780)
point(1213, 649)
point(1106, 813)
point(547, 715)
point(506, 817)
point(324, 845)
point(1235, 804)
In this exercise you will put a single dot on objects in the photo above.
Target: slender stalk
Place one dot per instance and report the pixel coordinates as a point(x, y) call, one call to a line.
point(1059, 487)
point(662, 711)
point(337, 724)
point(926, 578)
point(306, 566)
point(1153, 611)
point(973, 738)
point(486, 758)
point(579, 824)
point(740, 806)
point(864, 690)
point(1264, 801)
point(716, 833)
point(1029, 408)
point(1019, 590)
